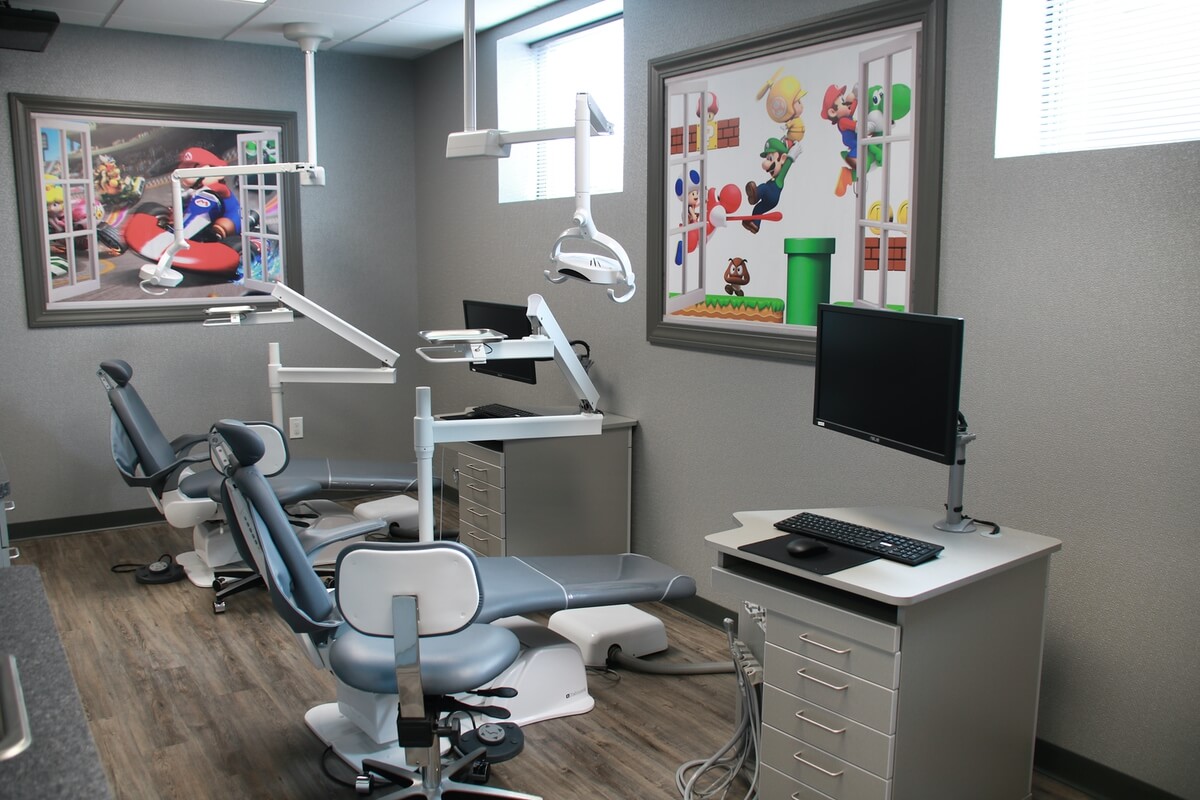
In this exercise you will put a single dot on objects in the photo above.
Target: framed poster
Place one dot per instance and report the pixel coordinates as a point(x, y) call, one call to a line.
point(792, 169)
point(95, 202)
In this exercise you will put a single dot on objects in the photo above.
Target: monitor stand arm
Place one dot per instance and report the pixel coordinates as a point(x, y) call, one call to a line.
point(955, 522)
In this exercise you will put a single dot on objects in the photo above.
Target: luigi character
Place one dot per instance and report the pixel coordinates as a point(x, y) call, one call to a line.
point(777, 159)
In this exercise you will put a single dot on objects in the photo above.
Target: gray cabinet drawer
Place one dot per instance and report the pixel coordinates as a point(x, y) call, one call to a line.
point(840, 692)
point(813, 767)
point(774, 785)
point(848, 740)
point(472, 467)
point(480, 541)
point(481, 516)
point(473, 490)
point(837, 650)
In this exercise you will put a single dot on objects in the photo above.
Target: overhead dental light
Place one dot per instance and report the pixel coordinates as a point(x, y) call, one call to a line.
point(161, 274)
point(581, 252)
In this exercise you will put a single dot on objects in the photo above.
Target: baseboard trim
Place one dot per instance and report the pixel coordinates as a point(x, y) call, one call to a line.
point(1091, 777)
point(83, 524)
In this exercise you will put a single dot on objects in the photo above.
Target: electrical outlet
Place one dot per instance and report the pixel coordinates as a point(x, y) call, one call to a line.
point(295, 427)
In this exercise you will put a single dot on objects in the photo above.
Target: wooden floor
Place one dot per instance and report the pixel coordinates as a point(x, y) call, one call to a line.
point(187, 704)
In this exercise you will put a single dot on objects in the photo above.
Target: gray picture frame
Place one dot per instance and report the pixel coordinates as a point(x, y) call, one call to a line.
point(861, 21)
point(171, 306)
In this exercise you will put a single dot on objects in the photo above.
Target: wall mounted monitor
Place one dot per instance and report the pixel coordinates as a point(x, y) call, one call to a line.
point(512, 321)
point(890, 377)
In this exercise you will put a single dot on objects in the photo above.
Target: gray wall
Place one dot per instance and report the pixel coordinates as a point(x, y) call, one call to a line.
point(1076, 275)
point(1077, 278)
point(358, 254)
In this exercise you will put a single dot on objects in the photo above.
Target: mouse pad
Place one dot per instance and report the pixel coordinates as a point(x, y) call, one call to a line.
point(835, 559)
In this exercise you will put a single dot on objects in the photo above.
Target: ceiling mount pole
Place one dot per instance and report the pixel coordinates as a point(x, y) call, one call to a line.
point(469, 119)
point(309, 36)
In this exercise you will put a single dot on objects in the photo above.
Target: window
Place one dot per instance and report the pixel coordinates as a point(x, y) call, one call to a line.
point(1094, 74)
point(539, 71)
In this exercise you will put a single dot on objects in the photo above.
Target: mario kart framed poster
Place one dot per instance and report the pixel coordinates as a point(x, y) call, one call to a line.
point(96, 203)
point(791, 169)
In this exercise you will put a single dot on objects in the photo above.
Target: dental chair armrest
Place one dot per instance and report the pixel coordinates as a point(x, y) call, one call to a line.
point(313, 541)
point(183, 444)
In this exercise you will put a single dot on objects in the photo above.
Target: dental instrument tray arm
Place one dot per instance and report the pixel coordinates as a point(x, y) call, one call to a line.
point(478, 345)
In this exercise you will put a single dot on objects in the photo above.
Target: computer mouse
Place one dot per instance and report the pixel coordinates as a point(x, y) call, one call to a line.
point(802, 547)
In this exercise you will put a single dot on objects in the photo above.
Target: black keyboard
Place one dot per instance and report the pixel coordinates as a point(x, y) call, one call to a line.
point(499, 411)
point(869, 540)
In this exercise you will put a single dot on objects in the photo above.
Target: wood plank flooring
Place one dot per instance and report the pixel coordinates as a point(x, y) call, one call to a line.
point(187, 704)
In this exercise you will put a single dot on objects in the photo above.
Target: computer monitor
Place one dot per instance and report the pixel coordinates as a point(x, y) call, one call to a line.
point(890, 377)
point(512, 321)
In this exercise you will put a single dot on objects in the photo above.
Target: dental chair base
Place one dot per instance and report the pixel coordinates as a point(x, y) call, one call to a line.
point(597, 630)
point(549, 678)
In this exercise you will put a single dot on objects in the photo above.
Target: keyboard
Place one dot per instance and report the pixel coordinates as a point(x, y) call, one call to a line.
point(499, 411)
point(869, 540)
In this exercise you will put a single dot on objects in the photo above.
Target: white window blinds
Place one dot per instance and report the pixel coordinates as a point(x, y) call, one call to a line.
point(1094, 74)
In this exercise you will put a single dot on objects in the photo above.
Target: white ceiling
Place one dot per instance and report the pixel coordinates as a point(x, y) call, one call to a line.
point(395, 28)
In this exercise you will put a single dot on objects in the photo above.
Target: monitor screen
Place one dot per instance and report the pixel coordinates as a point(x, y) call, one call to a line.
point(511, 320)
point(889, 377)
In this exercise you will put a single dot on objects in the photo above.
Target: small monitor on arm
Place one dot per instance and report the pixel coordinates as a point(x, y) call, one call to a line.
point(513, 322)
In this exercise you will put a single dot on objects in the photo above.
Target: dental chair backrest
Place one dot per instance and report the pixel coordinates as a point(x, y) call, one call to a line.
point(297, 592)
point(137, 441)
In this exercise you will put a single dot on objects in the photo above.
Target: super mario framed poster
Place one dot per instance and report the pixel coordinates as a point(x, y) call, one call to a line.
point(791, 169)
point(97, 208)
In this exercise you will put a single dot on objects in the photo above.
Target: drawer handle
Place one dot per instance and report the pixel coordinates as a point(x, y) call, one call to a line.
point(836, 731)
point(804, 638)
point(473, 536)
point(475, 488)
point(797, 756)
point(477, 468)
point(476, 513)
point(806, 676)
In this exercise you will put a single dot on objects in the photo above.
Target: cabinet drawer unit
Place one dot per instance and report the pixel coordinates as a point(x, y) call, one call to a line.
point(848, 740)
point(480, 541)
point(840, 692)
point(814, 767)
point(835, 649)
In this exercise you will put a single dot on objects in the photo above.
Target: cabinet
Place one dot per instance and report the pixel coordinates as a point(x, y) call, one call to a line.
point(555, 496)
point(890, 682)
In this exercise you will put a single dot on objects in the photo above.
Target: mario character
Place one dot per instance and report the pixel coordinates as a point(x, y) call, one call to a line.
point(839, 108)
point(737, 275)
point(212, 195)
point(777, 158)
point(784, 104)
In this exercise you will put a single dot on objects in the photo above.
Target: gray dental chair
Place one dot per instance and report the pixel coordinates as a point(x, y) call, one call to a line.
point(365, 631)
point(375, 638)
point(185, 489)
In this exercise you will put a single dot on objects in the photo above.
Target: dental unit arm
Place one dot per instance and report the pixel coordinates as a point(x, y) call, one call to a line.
point(479, 345)
point(277, 374)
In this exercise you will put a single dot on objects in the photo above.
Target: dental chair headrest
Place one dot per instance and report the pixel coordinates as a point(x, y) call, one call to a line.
point(119, 371)
point(232, 444)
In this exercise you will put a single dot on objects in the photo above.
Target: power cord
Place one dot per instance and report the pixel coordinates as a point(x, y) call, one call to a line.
point(164, 570)
point(741, 752)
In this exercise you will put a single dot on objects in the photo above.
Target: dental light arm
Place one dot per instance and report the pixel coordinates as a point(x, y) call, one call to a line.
point(309, 36)
point(610, 266)
point(479, 345)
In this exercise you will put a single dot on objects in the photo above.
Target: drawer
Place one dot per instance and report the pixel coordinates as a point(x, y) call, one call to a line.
point(874, 632)
point(837, 650)
point(481, 517)
point(848, 740)
point(480, 541)
point(480, 493)
point(837, 691)
point(471, 466)
point(813, 767)
point(774, 785)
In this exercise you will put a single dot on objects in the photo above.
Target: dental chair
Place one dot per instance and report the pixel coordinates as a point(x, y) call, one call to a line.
point(362, 630)
point(185, 489)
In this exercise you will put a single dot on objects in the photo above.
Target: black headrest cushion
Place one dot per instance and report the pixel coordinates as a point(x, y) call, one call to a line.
point(118, 370)
point(245, 445)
